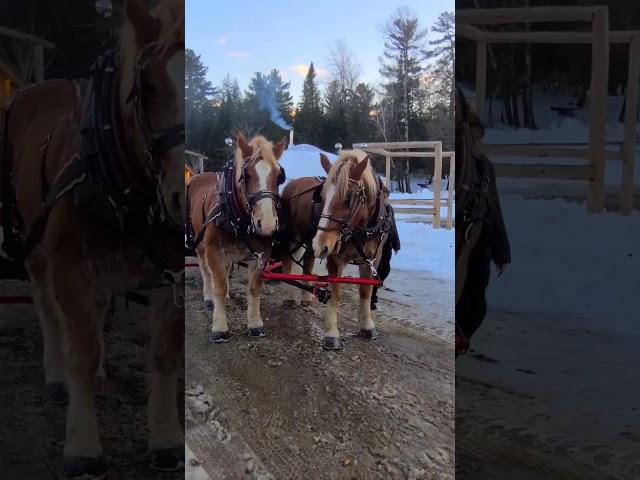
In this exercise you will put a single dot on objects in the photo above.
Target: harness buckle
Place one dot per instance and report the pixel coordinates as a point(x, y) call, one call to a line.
point(373, 269)
point(176, 281)
point(258, 257)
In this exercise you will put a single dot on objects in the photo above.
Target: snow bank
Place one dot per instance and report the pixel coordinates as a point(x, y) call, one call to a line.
point(569, 261)
point(425, 250)
point(304, 161)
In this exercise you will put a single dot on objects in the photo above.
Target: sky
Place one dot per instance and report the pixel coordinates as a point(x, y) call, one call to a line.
point(240, 38)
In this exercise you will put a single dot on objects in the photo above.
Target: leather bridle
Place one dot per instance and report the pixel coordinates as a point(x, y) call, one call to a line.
point(343, 224)
point(157, 142)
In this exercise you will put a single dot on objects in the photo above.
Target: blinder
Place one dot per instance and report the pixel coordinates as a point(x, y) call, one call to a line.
point(282, 177)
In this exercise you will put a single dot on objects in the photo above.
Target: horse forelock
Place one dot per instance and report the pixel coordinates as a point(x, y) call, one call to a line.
point(262, 150)
point(339, 176)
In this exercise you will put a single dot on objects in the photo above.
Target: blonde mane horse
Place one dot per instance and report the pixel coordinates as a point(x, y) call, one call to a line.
point(79, 260)
point(351, 202)
point(215, 203)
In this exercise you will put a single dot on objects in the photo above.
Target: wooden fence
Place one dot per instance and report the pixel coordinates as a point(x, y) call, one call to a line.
point(420, 151)
point(595, 152)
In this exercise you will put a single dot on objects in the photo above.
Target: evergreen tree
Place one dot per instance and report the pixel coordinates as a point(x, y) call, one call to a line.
point(443, 52)
point(335, 128)
point(401, 65)
point(197, 89)
point(268, 104)
point(308, 121)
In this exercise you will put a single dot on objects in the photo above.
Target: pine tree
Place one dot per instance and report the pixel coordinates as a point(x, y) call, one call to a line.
point(443, 52)
point(308, 121)
point(402, 66)
point(197, 89)
point(268, 104)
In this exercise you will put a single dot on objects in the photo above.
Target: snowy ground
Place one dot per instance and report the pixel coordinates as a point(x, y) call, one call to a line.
point(561, 334)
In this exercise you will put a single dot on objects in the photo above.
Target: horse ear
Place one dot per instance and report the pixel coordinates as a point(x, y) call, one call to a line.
point(279, 148)
point(325, 162)
point(247, 150)
point(357, 171)
point(145, 27)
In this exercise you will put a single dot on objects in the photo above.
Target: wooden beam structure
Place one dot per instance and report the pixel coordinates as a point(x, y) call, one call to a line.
point(630, 123)
point(418, 150)
point(600, 38)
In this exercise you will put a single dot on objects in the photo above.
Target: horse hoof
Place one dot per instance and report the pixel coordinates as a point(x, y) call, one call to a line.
point(57, 393)
point(84, 468)
point(332, 343)
point(167, 459)
point(257, 332)
point(368, 334)
point(288, 303)
point(374, 306)
point(219, 337)
point(208, 305)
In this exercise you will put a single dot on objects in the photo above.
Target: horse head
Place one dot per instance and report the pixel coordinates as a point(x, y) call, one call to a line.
point(259, 176)
point(152, 97)
point(349, 194)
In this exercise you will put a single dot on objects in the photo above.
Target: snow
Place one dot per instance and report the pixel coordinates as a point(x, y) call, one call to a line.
point(565, 259)
point(425, 249)
point(304, 161)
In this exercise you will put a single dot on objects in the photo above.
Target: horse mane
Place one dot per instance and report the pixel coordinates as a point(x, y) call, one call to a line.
point(262, 148)
point(170, 15)
point(339, 175)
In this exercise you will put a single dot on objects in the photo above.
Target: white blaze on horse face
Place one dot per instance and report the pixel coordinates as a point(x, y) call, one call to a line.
point(321, 239)
point(265, 217)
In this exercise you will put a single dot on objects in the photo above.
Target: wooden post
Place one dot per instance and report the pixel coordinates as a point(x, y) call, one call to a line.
point(38, 58)
point(387, 173)
point(630, 122)
point(451, 190)
point(437, 185)
point(481, 79)
point(598, 109)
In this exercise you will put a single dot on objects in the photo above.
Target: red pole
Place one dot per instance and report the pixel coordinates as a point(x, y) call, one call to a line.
point(317, 279)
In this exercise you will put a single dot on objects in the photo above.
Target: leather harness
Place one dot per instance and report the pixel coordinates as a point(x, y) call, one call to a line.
point(129, 204)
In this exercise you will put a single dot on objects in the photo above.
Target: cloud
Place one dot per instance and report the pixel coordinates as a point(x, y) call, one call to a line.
point(222, 40)
point(301, 69)
point(234, 54)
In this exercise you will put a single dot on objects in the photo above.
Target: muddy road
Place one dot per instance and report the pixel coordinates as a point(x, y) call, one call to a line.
point(281, 407)
point(32, 429)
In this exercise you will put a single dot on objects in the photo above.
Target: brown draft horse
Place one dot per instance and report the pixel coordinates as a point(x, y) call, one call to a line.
point(80, 259)
point(351, 202)
point(234, 216)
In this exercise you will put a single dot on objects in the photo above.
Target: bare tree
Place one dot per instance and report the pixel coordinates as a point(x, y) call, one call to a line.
point(343, 66)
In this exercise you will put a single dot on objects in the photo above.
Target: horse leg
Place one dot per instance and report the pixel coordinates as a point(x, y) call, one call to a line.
point(254, 289)
point(207, 292)
point(307, 297)
point(227, 297)
point(331, 334)
point(290, 291)
point(218, 267)
point(367, 328)
point(166, 439)
point(80, 314)
point(53, 357)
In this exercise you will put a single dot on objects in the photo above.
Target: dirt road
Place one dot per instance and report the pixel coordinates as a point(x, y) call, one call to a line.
point(281, 407)
point(32, 429)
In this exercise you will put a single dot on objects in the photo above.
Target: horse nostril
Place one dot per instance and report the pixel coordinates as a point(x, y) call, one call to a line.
point(259, 223)
point(324, 252)
point(175, 201)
